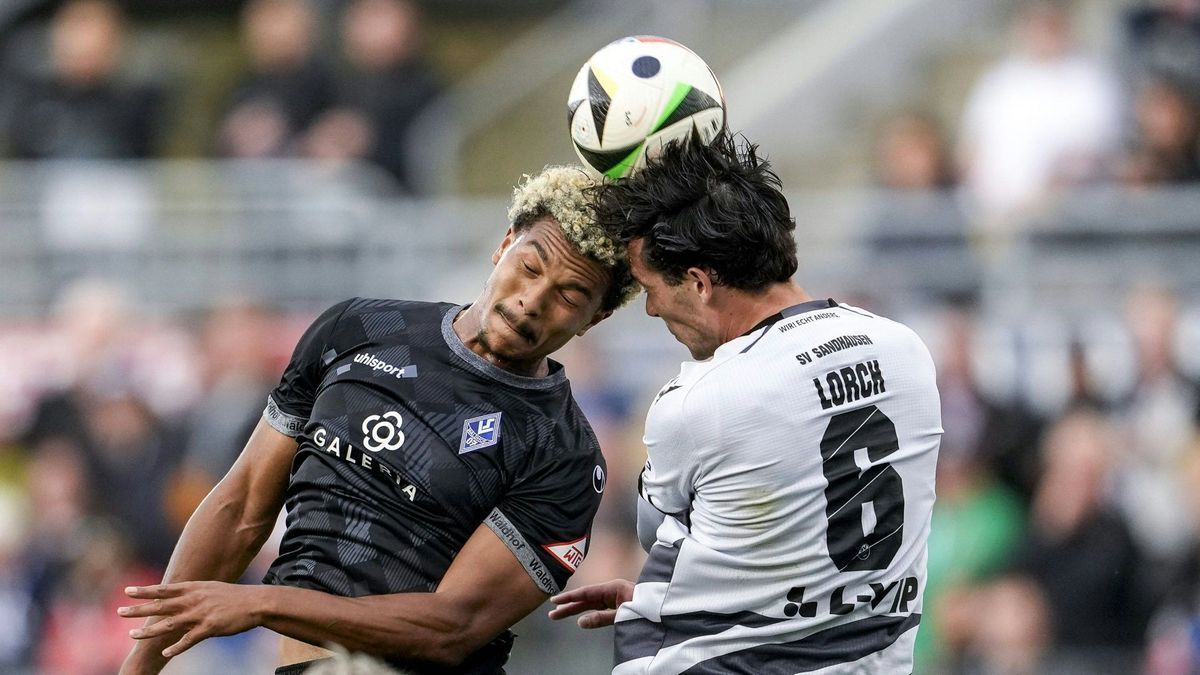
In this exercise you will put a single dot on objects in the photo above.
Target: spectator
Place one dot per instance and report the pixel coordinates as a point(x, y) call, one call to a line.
point(83, 634)
point(130, 460)
point(911, 155)
point(1005, 627)
point(1168, 128)
point(1174, 648)
point(388, 84)
point(286, 87)
point(1163, 40)
point(915, 220)
point(976, 523)
point(93, 322)
point(1000, 434)
point(81, 108)
point(1080, 552)
point(238, 371)
point(17, 612)
point(1015, 148)
point(1159, 419)
point(58, 507)
point(977, 519)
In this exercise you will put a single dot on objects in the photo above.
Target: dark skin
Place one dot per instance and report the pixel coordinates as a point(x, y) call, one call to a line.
point(539, 295)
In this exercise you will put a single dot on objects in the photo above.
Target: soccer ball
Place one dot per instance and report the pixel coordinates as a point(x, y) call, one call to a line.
point(636, 95)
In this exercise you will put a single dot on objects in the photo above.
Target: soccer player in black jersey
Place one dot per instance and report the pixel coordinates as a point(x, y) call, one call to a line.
point(439, 479)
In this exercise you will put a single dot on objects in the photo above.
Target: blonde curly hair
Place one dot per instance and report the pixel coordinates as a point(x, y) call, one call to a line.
point(567, 194)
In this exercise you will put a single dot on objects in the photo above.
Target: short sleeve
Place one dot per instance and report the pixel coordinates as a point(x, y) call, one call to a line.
point(668, 480)
point(290, 403)
point(546, 518)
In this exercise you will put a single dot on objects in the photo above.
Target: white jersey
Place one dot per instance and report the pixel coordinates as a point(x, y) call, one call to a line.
point(795, 468)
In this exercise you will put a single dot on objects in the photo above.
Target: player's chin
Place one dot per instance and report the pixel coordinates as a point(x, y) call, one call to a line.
point(512, 347)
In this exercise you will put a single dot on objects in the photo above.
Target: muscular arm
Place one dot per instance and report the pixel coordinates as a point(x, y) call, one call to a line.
point(484, 591)
point(227, 529)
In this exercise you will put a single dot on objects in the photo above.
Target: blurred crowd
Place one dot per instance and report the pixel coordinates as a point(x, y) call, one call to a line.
point(1050, 116)
point(115, 426)
point(327, 81)
point(1066, 536)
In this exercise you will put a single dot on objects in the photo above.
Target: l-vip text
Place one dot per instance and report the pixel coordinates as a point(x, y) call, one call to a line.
point(891, 597)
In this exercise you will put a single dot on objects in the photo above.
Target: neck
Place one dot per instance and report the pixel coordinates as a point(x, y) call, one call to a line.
point(742, 310)
point(468, 326)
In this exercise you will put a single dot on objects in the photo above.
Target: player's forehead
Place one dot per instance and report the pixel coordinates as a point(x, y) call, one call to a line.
point(545, 239)
point(641, 271)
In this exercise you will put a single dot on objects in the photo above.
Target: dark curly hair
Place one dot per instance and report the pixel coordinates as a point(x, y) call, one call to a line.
point(717, 207)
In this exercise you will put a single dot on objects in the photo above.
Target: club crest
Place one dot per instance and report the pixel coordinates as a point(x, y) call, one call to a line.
point(480, 432)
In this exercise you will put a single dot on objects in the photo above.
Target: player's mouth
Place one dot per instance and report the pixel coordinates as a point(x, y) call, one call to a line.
point(518, 328)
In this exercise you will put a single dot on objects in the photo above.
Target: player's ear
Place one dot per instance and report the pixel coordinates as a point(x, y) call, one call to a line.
point(509, 238)
point(600, 316)
point(699, 282)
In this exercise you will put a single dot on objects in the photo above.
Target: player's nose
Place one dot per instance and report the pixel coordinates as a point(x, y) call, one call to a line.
point(533, 298)
point(650, 309)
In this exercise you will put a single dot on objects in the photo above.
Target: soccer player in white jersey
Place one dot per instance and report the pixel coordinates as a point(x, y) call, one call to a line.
point(786, 500)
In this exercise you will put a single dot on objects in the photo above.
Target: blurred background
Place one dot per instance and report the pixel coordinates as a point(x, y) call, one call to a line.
point(185, 184)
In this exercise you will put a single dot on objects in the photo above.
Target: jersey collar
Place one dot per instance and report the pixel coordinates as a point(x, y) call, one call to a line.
point(809, 306)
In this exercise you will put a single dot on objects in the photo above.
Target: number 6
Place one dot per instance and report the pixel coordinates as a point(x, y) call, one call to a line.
point(850, 548)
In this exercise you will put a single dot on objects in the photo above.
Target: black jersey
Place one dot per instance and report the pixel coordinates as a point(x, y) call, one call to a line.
point(409, 441)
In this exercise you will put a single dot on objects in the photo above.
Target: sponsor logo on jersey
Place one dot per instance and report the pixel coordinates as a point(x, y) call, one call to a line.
point(512, 537)
point(378, 365)
point(382, 432)
point(598, 479)
point(331, 444)
point(480, 432)
point(569, 553)
point(667, 388)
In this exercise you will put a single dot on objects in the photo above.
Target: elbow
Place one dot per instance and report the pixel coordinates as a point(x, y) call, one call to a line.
point(448, 655)
point(247, 529)
point(455, 641)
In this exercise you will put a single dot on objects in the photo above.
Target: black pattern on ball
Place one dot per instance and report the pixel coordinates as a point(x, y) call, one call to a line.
point(646, 66)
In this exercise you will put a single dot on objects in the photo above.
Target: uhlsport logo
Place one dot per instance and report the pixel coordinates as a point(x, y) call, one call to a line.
point(480, 432)
point(382, 432)
point(370, 361)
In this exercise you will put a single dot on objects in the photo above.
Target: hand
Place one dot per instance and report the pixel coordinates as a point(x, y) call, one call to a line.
point(201, 609)
point(601, 600)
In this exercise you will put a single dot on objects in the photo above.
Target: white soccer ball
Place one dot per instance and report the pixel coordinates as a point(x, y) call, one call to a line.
point(634, 96)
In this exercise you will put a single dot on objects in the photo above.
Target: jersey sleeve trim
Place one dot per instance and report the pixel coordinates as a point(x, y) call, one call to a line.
point(288, 425)
point(509, 534)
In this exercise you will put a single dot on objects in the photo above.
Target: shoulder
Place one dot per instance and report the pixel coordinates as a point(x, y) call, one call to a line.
point(685, 406)
point(882, 323)
point(357, 320)
point(384, 315)
point(359, 305)
point(575, 428)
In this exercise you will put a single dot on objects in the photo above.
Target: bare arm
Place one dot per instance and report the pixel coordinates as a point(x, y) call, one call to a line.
point(484, 591)
point(227, 529)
